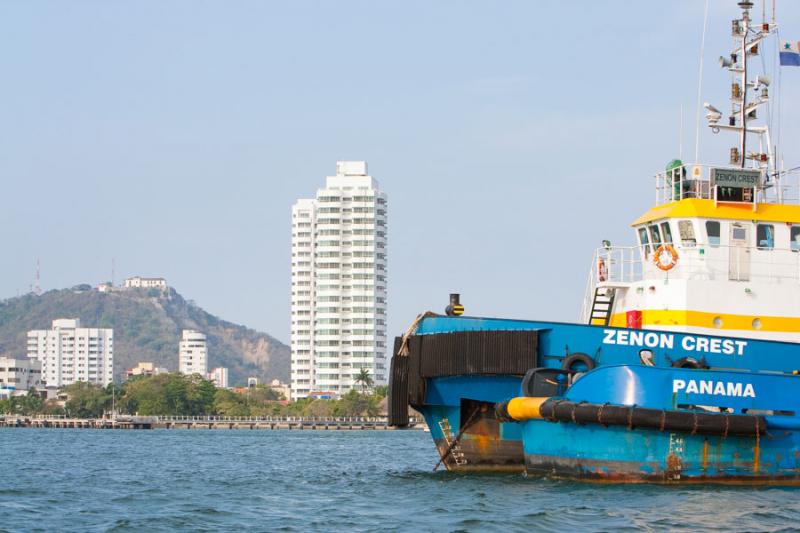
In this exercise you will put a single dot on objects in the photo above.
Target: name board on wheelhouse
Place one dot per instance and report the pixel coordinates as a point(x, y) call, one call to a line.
point(735, 184)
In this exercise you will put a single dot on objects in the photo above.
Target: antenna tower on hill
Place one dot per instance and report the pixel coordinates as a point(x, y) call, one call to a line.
point(37, 286)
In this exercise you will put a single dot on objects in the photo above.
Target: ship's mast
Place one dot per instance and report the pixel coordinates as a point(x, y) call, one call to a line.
point(745, 5)
point(743, 108)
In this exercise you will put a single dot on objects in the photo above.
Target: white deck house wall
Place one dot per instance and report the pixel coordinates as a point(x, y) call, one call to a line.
point(717, 278)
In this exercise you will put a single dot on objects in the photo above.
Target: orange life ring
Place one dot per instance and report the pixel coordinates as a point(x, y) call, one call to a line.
point(666, 257)
point(602, 271)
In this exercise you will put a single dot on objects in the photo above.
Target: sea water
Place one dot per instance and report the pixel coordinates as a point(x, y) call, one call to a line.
point(210, 480)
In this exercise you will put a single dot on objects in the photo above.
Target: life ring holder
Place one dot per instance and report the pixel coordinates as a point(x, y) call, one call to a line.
point(666, 257)
point(602, 270)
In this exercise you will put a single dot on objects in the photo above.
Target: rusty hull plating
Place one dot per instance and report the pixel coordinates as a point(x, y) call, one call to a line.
point(605, 450)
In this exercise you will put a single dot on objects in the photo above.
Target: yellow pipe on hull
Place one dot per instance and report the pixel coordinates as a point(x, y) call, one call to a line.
point(523, 408)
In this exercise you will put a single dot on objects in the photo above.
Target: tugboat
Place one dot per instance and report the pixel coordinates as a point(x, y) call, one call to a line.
point(684, 365)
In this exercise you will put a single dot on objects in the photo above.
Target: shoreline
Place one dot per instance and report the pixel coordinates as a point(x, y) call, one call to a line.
point(230, 423)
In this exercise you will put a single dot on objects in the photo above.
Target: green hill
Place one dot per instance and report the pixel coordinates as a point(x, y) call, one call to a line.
point(147, 327)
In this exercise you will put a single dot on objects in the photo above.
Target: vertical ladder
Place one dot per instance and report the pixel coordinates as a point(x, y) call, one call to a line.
point(602, 306)
point(455, 448)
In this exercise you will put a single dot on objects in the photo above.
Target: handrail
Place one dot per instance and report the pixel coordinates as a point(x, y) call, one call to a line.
point(219, 418)
point(622, 265)
point(694, 181)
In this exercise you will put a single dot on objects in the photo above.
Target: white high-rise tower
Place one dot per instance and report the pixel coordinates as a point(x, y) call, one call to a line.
point(70, 353)
point(339, 284)
point(193, 353)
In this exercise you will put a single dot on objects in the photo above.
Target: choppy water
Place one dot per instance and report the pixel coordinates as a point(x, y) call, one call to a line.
point(87, 480)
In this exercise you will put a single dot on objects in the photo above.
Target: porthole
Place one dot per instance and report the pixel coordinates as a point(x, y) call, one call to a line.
point(756, 323)
point(717, 322)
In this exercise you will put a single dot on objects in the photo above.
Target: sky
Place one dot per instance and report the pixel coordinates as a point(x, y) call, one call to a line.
point(172, 137)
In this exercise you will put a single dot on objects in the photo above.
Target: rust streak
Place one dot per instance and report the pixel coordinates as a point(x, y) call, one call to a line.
point(618, 472)
point(705, 455)
point(674, 467)
point(756, 454)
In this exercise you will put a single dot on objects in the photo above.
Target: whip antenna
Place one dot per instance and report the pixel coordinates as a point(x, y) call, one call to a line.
point(700, 88)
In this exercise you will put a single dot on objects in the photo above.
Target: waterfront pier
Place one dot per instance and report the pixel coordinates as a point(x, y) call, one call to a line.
point(203, 422)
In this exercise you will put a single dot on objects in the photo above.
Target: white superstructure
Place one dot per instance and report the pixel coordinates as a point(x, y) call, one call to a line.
point(339, 272)
point(193, 353)
point(70, 353)
point(719, 253)
point(18, 376)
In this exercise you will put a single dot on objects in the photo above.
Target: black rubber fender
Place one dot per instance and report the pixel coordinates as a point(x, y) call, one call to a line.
point(578, 357)
point(544, 381)
point(692, 422)
point(689, 362)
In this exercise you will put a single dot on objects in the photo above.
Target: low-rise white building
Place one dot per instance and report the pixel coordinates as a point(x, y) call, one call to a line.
point(284, 388)
point(18, 376)
point(138, 282)
point(219, 376)
point(145, 368)
point(70, 353)
point(193, 353)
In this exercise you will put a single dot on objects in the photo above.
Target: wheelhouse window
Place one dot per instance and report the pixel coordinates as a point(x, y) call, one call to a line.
point(655, 235)
point(765, 236)
point(666, 232)
point(644, 241)
point(794, 238)
point(712, 229)
point(686, 231)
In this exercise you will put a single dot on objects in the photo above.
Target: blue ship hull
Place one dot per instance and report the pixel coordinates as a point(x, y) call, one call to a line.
point(460, 408)
point(622, 455)
point(486, 444)
point(692, 436)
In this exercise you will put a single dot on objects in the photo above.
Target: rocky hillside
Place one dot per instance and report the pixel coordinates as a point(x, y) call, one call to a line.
point(147, 327)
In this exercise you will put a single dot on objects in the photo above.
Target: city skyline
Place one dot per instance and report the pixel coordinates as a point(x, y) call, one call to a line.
point(177, 147)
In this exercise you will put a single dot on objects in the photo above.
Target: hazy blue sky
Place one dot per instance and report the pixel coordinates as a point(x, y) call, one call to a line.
point(511, 137)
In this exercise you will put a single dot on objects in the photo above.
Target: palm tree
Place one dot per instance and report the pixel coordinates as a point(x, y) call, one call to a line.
point(365, 379)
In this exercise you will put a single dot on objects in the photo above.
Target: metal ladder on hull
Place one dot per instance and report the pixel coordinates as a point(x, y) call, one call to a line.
point(455, 449)
point(602, 306)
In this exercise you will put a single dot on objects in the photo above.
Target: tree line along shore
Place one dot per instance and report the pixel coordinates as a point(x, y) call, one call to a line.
point(176, 394)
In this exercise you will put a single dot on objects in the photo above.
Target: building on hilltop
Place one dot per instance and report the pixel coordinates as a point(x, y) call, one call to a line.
point(338, 315)
point(138, 282)
point(70, 353)
point(18, 376)
point(144, 368)
point(193, 353)
point(219, 376)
